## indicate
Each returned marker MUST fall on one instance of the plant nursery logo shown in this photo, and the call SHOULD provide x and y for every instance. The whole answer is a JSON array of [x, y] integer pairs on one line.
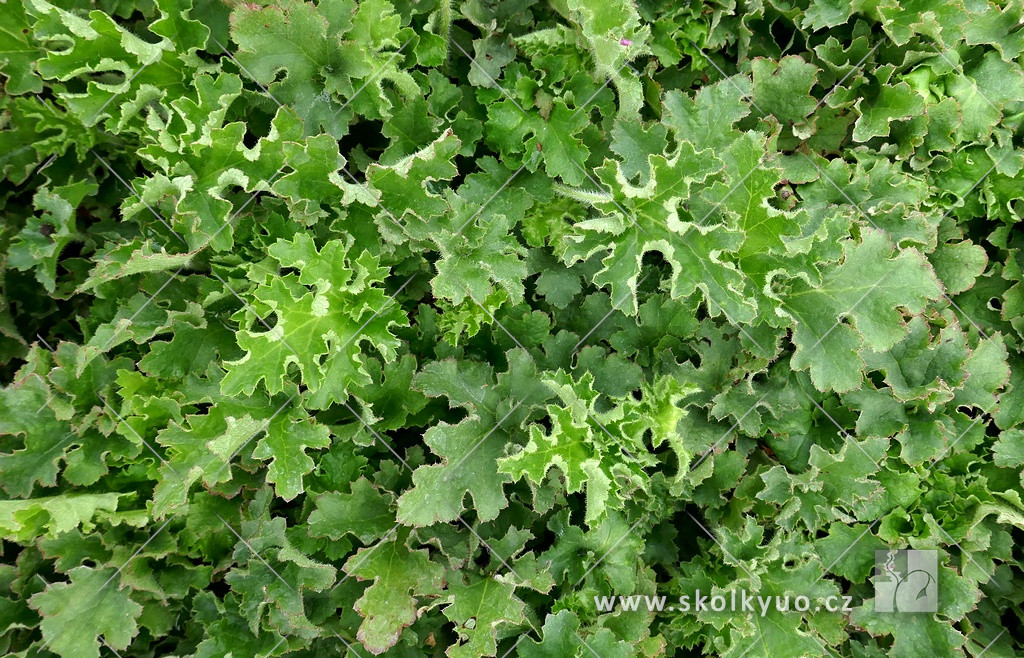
[[906, 581]]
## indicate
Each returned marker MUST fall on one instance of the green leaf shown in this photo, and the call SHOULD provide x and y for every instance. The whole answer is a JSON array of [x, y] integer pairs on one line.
[[471, 448], [559, 637], [285, 444], [22, 520], [406, 188], [39, 245], [365, 513], [321, 318], [914, 632], [479, 607], [401, 577], [77, 614], [532, 138], [18, 54], [892, 103], [783, 88], [98, 46], [581, 445], [634, 221], [338, 48], [868, 288], [615, 36], [272, 577], [1008, 450], [958, 264], [827, 13], [43, 439], [199, 448]]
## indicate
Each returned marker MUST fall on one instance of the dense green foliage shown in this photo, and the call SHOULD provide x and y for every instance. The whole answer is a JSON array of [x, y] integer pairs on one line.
[[408, 328]]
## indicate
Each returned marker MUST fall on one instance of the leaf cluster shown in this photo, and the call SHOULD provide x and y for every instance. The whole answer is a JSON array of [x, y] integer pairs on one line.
[[409, 328]]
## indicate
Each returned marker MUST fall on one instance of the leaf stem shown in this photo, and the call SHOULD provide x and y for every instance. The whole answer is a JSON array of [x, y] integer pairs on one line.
[[443, 25], [583, 196]]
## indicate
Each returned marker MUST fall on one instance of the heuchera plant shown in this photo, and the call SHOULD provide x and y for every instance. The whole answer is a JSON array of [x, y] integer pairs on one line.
[[416, 328]]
